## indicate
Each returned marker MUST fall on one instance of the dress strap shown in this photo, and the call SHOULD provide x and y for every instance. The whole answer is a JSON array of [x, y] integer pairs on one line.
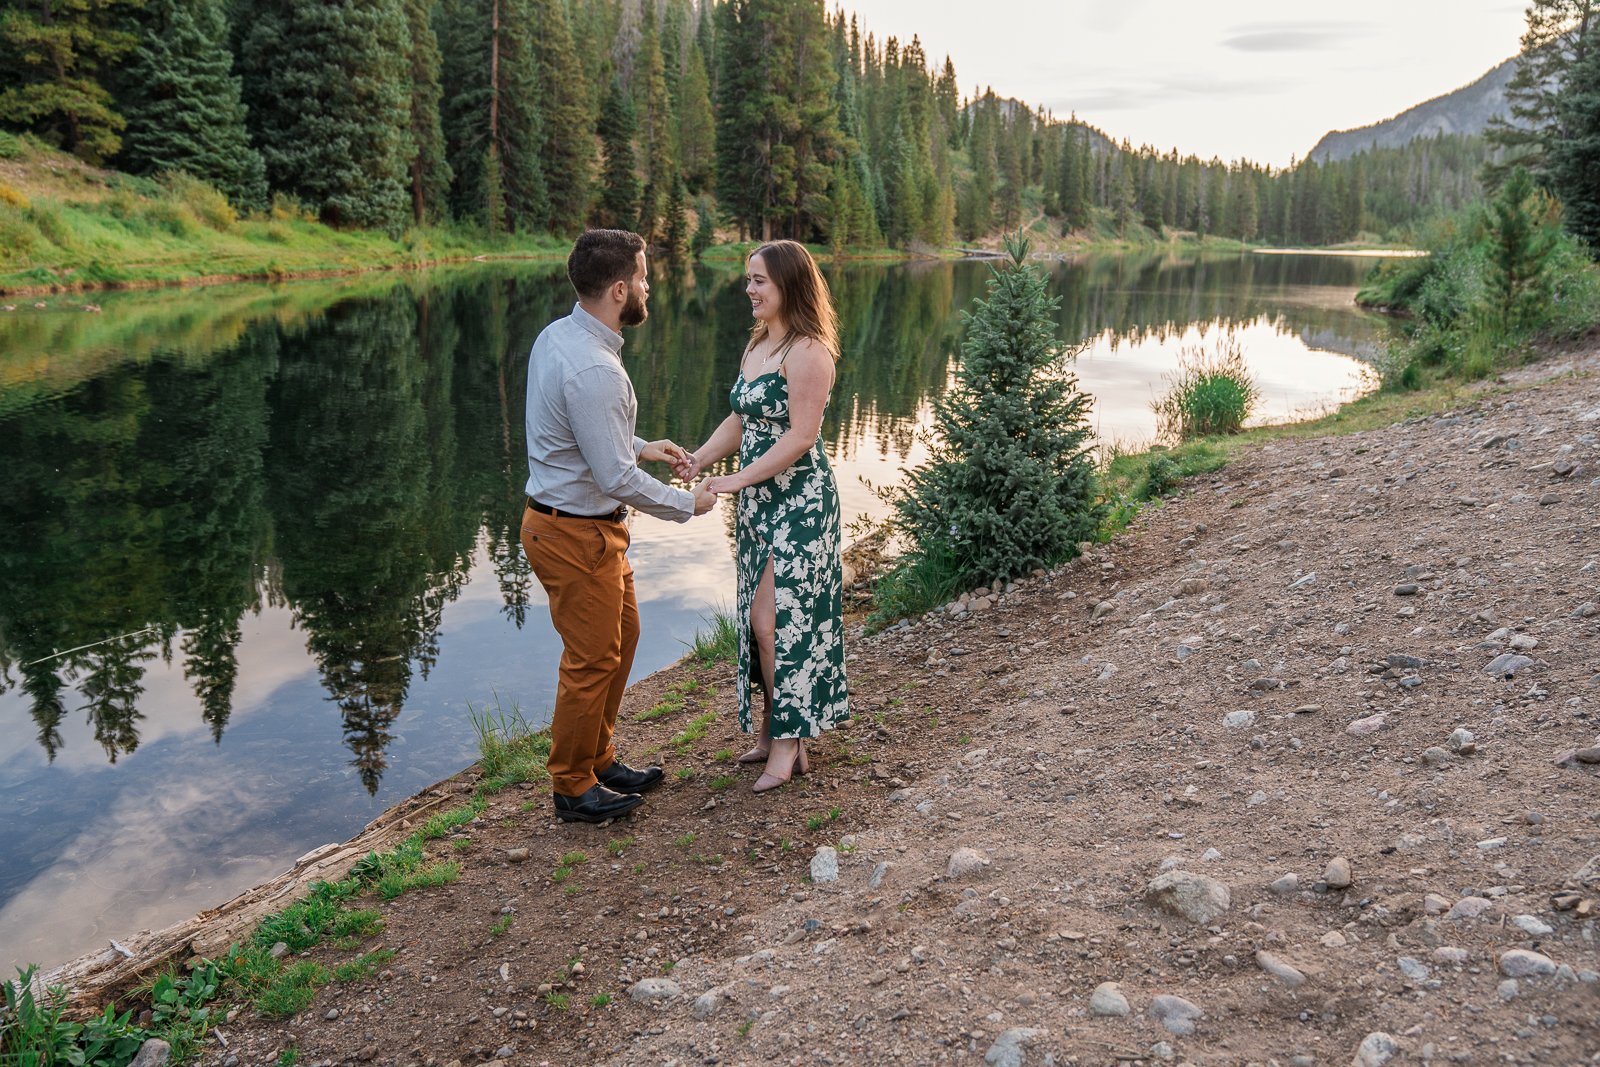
[[788, 343]]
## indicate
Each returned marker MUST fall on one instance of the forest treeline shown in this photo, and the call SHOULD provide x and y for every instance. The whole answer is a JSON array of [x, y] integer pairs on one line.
[[769, 118]]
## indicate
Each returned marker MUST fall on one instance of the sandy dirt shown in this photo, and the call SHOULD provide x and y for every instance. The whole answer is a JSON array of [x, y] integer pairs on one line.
[[1156, 766]]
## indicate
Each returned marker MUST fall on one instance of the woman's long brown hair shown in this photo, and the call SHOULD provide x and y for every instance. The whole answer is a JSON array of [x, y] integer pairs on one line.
[[807, 303]]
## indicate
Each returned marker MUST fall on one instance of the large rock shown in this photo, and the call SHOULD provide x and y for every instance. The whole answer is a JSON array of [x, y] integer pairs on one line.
[[1108, 1000], [825, 865], [1524, 963], [1194, 897], [1176, 1014], [652, 990], [1507, 664], [153, 1053], [964, 863], [1282, 971], [1008, 1048], [1376, 1049]]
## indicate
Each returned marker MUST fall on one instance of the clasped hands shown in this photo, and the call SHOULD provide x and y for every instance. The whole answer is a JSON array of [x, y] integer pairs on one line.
[[686, 467]]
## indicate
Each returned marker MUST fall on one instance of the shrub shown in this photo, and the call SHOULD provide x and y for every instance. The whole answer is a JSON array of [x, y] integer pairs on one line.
[[1211, 393], [1009, 484], [1161, 476], [203, 200], [286, 208], [18, 237], [52, 225], [10, 147], [173, 217], [12, 197]]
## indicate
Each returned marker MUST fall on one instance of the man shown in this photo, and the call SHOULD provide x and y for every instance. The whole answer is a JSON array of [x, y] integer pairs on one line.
[[583, 475]]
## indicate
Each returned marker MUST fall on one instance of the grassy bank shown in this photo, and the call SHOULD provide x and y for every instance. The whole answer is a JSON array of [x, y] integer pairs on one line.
[[67, 226]]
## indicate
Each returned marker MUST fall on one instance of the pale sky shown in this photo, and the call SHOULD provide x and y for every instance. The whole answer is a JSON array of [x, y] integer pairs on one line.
[[1260, 79]]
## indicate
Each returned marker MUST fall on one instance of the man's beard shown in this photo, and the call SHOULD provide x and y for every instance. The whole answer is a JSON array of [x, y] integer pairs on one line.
[[634, 312]]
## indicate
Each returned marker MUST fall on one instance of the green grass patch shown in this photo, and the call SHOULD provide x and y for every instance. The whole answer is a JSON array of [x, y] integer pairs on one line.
[[600, 1000], [722, 782], [718, 640], [573, 859], [510, 751], [560, 874], [558, 1001], [617, 845], [686, 840], [362, 966], [695, 730], [501, 925], [683, 774]]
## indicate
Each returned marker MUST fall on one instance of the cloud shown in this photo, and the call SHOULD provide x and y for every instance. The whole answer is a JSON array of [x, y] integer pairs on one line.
[[1157, 92], [1294, 37]]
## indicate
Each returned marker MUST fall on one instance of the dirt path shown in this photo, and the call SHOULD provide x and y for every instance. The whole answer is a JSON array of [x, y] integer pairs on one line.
[[1254, 691]]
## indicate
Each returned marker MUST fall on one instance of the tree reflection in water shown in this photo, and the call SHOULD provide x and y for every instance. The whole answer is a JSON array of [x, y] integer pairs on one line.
[[186, 459]]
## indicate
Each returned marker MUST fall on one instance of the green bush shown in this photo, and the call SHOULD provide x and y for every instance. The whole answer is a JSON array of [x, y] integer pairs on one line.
[[48, 220], [1211, 393], [1161, 476], [1498, 276], [1009, 484], [10, 147], [203, 200], [173, 217]]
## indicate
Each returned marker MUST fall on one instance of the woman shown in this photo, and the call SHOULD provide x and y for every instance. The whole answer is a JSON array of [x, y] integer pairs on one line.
[[791, 583]]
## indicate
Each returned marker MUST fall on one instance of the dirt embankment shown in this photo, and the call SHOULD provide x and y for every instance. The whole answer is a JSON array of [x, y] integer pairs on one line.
[[1246, 763]]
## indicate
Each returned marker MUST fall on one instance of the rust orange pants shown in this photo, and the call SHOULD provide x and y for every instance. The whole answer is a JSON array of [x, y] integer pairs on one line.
[[583, 566]]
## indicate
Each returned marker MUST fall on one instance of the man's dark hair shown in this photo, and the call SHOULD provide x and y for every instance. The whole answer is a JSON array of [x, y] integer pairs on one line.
[[602, 257]]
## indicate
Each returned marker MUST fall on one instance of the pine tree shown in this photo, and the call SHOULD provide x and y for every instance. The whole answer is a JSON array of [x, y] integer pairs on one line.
[[56, 55], [1009, 483], [490, 112], [1523, 231], [1575, 155], [566, 154], [183, 103], [697, 125], [619, 181], [653, 106], [429, 170], [330, 105], [1559, 35], [705, 230], [676, 238], [740, 105]]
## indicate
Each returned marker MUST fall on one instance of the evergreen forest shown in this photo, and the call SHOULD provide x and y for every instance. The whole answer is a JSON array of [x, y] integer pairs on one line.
[[691, 121]]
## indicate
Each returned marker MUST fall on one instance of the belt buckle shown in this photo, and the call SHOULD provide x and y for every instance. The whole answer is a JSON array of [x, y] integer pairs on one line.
[[621, 514]]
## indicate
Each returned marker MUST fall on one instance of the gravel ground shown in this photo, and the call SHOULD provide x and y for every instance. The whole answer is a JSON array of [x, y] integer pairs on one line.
[[1237, 788]]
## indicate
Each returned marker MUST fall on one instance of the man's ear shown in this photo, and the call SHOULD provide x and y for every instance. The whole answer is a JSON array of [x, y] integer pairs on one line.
[[619, 291]]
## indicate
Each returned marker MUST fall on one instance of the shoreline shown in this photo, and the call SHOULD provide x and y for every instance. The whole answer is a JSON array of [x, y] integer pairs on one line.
[[978, 850], [96, 973]]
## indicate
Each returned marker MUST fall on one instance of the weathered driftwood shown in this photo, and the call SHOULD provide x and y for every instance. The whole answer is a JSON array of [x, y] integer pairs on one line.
[[93, 979]]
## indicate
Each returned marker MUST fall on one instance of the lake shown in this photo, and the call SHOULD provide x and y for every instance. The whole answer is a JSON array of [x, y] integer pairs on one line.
[[259, 554]]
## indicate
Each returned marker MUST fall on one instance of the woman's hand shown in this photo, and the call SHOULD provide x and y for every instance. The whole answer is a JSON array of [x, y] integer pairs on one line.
[[726, 485], [687, 469]]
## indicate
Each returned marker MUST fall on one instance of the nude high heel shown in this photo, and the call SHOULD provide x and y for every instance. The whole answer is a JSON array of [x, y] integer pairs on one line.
[[769, 781]]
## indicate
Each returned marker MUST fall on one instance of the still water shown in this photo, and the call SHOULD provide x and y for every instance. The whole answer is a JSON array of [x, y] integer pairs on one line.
[[258, 544]]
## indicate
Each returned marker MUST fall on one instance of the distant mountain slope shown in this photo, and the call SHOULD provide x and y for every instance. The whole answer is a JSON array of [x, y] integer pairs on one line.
[[1467, 110]]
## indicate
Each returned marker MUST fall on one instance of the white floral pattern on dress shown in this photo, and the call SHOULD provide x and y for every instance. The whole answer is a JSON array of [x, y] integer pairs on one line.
[[793, 517]]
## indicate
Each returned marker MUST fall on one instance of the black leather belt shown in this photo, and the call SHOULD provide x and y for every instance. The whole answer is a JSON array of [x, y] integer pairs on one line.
[[610, 516]]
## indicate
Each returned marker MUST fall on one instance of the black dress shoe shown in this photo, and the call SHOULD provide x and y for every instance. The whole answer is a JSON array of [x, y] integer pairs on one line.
[[624, 779], [596, 805]]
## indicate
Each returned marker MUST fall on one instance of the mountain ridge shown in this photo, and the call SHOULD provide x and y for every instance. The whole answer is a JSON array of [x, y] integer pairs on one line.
[[1467, 110]]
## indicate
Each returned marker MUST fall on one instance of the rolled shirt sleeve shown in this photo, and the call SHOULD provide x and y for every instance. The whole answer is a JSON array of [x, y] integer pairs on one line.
[[600, 408]]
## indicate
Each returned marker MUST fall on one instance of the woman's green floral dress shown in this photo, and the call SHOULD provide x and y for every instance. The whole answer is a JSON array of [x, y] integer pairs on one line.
[[793, 517]]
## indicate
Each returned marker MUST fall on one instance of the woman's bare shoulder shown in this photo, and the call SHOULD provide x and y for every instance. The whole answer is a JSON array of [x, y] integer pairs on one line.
[[811, 354]]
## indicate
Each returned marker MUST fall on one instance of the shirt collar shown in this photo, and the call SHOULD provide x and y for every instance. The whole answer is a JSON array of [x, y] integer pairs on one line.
[[603, 333]]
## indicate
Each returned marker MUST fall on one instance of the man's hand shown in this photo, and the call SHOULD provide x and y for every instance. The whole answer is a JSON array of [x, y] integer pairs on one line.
[[704, 499], [664, 452], [688, 468]]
